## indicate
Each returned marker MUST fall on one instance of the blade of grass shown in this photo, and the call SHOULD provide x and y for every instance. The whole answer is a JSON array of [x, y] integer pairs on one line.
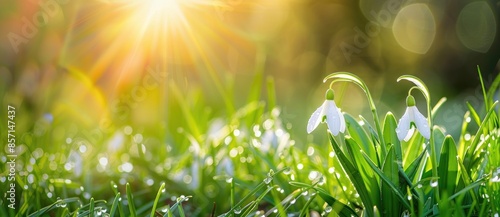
[[271, 93], [158, 195], [53, 206], [448, 166], [114, 187], [91, 207], [438, 106], [390, 202], [339, 207], [390, 137], [474, 114], [130, 199], [114, 205], [487, 101], [386, 180], [467, 188], [305, 208], [354, 175], [368, 177]]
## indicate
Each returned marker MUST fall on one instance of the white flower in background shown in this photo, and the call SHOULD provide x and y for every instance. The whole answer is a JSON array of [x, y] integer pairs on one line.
[[411, 118], [329, 113], [75, 163]]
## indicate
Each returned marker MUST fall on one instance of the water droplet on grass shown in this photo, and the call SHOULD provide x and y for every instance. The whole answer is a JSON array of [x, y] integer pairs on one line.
[[237, 210], [293, 201], [434, 183], [328, 209], [268, 180], [287, 171]]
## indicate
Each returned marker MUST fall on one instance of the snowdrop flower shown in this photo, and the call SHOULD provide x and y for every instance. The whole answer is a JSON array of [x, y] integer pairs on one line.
[[412, 118], [329, 113]]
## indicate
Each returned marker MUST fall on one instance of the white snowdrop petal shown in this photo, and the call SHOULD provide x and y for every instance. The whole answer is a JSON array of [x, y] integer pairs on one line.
[[404, 125], [342, 121], [421, 122], [315, 119], [332, 117], [409, 134]]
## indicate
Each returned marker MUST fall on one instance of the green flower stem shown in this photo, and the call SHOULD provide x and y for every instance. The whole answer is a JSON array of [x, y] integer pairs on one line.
[[425, 91], [349, 77]]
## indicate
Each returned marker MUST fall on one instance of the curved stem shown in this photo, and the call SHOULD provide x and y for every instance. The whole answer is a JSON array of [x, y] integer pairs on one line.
[[349, 77], [419, 84]]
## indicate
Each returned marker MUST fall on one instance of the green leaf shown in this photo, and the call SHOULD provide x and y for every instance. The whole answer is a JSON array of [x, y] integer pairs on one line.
[[339, 207], [390, 136], [366, 174], [115, 205], [91, 208], [53, 206], [305, 208], [359, 135], [130, 199], [387, 181], [354, 175], [474, 114], [412, 169], [448, 167], [271, 93], [492, 91], [469, 160], [158, 195], [438, 106], [468, 188], [392, 205], [487, 100], [439, 138]]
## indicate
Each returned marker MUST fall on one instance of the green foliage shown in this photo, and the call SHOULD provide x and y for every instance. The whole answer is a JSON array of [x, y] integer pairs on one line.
[[248, 164]]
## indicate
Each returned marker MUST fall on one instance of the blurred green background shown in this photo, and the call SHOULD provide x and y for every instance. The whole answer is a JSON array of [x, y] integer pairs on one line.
[[103, 77]]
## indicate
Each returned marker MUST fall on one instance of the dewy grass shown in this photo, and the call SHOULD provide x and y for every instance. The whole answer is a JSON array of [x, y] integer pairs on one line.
[[247, 163]]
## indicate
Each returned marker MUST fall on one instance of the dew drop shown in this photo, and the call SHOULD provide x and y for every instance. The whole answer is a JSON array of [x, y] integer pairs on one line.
[[305, 193], [293, 201], [419, 185], [229, 180], [270, 173], [268, 180], [434, 183], [328, 209], [237, 210], [287, 171]]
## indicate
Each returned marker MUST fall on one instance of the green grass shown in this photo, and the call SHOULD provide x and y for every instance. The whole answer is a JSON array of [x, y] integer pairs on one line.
[[246, 163]]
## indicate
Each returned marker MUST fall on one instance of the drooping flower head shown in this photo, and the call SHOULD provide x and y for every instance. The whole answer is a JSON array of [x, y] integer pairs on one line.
[[412, 118], [329, 113]]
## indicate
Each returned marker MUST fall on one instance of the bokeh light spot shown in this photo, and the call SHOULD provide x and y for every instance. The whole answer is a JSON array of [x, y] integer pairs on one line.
[[414, 28], [476, 26]]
